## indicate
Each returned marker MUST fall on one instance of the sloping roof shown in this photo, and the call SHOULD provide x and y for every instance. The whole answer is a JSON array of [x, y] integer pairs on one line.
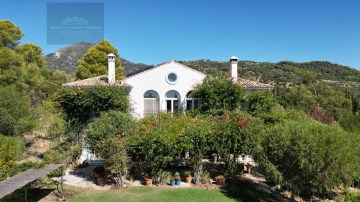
[[102, 80], [248, 84], [94, 81], [148, 68], [140, 70]]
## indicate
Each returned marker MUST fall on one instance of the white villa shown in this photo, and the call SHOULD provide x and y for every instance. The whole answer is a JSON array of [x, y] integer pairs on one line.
[[166, 87]]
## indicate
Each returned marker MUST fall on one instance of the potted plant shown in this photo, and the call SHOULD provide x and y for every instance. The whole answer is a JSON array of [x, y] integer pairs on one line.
[[99, 173], [220, 179], [177, 178], [148, 180], [172, 181], [188, 177], [205, 177], [165, 177]]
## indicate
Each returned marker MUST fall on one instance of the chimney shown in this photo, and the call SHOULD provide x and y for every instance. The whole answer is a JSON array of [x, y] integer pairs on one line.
[[233, 70], [111, 68]]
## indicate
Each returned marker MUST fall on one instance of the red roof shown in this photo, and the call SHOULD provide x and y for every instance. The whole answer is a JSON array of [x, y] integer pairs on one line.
[[248, 84], [94, 81]]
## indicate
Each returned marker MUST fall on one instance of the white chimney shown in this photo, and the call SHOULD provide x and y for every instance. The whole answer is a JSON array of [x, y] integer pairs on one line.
[[233, 70], [111, 68]]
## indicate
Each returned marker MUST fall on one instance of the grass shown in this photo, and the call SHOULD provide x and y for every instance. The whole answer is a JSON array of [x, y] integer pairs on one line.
[[171, 194]]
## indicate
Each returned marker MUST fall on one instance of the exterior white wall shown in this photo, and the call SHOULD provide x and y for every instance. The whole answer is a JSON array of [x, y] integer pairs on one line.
[[155, 79]]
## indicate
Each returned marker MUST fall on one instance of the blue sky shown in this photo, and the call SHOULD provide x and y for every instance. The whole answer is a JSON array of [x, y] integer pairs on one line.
[[155, 31]]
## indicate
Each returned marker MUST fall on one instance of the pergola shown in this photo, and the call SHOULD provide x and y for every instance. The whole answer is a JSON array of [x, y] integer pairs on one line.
[[23, 179]]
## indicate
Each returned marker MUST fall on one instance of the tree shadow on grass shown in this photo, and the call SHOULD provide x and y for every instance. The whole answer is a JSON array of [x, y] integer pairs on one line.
[[246, 191], [33, 194]]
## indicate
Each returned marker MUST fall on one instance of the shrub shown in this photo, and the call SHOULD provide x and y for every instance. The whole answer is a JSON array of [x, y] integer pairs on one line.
[[205, 177], [82, 104], [109, 125], [10, 150], [14, 112], [237, 133], [217, 94], [310, 155], [165, 177], [187, 174]]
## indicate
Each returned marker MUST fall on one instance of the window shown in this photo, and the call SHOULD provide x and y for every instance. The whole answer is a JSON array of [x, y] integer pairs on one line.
[[172, 98], [171, 78], [151, 103], [191, 103]]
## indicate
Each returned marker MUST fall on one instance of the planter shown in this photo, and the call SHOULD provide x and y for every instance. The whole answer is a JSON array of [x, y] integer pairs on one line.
[[177, 182], [188, 179], [148, 181], [172, 183], [100, 181], [220, 181]]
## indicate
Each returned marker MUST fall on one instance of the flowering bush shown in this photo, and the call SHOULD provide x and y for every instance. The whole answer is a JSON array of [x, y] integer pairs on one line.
[[237, 133]]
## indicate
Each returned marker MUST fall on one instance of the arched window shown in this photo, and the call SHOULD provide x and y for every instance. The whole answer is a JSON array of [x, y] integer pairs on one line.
[[151, 103], [191, 102], [172, 99]]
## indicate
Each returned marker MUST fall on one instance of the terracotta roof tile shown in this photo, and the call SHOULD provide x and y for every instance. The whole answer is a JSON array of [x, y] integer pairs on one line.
[[248, 84], [94, 81]]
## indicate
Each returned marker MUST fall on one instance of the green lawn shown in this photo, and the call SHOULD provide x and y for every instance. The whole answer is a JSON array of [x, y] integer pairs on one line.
[[171, 194]]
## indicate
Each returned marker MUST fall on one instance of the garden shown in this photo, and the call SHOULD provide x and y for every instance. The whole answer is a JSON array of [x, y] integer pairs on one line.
[[292, 150]]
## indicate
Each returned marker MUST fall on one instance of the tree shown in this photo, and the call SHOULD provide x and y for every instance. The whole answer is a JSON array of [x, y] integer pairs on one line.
[[195, 138], [158, 138], [110, 125], [236, 134], [310, 155], [95, 62], [107, 137], [10, 34], [80, 105], [259, 102], [32, 54], [298, 97], [218, 94], [14, 112]]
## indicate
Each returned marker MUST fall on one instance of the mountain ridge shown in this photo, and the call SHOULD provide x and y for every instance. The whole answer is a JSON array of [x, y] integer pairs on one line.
[[65, 59]]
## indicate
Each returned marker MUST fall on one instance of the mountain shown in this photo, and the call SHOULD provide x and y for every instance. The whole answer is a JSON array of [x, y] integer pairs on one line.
[[65, 59], [285, 72]]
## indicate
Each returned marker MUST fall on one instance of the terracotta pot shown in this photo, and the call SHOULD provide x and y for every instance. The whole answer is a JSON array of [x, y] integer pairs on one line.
[[100, 181], [220, 180], [148, 181], [188, 179]]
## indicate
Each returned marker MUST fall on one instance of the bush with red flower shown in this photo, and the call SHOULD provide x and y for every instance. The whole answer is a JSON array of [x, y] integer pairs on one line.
[[237, 134]]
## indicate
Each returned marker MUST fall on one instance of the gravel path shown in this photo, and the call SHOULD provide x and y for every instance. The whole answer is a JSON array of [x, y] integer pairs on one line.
[[81, 177]]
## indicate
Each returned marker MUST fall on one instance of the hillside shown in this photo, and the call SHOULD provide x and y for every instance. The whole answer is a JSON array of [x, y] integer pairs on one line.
[[65, 59], [282, 72]]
